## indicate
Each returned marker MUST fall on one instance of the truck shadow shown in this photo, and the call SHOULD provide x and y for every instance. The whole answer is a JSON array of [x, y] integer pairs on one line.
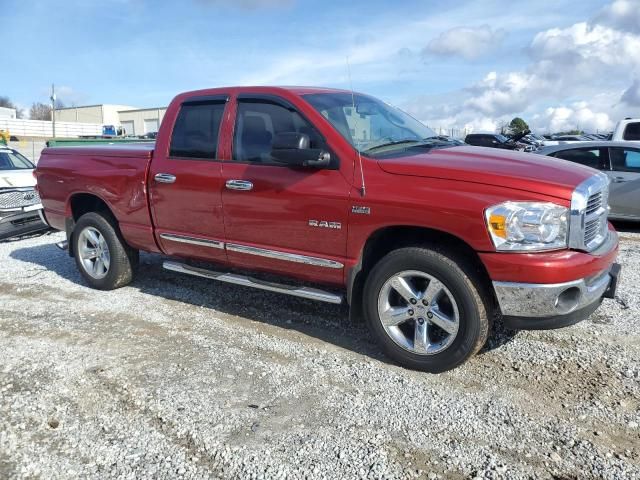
[[322, 321]]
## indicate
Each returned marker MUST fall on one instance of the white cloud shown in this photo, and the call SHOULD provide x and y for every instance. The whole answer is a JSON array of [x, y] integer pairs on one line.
[[622, 15], [467, 42], [631, 95], [579, 76]]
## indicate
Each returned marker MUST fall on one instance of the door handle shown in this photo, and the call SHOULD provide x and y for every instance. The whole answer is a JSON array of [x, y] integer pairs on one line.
[[619, 179], [164, 178], [244, 185]]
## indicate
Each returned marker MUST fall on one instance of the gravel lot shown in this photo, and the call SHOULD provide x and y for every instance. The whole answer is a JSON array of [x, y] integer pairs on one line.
[[179, 377]]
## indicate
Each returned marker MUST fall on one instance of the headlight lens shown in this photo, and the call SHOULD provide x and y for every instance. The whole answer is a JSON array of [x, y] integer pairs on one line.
[[528, 226]]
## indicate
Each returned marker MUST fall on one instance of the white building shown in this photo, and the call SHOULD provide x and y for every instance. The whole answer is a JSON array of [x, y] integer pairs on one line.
[[7, 112], [135, 121], [141, 120], [105, 114]]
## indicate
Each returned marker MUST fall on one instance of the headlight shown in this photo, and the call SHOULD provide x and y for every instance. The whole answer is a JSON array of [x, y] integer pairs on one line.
[[528, 226]]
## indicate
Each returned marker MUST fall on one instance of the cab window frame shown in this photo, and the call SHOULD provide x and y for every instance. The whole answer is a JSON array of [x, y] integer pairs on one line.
[[222, 100], [604, 163], [283, 103]]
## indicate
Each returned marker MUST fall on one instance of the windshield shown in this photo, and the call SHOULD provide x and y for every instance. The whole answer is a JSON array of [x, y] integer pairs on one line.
[[372, 124], [501, 138], [14, 161]]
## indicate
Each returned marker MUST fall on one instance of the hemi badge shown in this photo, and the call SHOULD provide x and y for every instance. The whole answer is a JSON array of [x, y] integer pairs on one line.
[[361, 210]]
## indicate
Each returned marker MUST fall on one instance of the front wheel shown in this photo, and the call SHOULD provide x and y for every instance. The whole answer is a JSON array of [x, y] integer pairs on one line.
[[104, 259], [425, 310]]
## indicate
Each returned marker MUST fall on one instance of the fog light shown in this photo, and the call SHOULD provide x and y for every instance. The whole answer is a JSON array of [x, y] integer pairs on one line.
[[568, 300]]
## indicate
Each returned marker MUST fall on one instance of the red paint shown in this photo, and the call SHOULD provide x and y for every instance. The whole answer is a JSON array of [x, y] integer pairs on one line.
[[446, 190]]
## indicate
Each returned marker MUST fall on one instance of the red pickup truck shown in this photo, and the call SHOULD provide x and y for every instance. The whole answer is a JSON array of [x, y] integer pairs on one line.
[[336, 196]]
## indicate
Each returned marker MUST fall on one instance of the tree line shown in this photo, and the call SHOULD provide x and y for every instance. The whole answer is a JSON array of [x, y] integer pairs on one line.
[[37, 111]]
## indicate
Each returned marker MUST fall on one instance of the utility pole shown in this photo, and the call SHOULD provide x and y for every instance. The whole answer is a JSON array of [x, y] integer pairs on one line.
[[53, 109]]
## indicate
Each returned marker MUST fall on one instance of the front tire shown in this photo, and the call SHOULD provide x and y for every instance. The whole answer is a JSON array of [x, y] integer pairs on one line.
[[425, 310], [104, 259]]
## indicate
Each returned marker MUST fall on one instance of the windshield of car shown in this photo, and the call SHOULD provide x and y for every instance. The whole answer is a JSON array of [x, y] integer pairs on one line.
[[14, 161], [372, 125]]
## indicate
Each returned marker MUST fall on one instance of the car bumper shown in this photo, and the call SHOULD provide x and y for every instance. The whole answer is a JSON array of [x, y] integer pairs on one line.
[[534, 306], [16, 222]]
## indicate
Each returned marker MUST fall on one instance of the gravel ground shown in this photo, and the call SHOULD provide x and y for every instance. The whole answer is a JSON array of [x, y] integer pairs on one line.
[[179, 377]]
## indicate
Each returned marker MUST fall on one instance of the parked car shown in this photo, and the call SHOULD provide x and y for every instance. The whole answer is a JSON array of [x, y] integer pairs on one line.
[[341, 197], [620, 161], [20, 207], [627, 130], [497, 140]]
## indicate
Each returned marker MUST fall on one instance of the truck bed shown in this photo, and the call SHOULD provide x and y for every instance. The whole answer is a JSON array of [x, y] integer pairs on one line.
[[117, 174]]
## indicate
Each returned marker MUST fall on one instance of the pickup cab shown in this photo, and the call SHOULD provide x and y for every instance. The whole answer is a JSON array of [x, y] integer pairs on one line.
[[338, 197], [627, 130]]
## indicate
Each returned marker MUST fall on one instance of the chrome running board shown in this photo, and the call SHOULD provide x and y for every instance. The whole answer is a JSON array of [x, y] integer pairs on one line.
[[303, 292]]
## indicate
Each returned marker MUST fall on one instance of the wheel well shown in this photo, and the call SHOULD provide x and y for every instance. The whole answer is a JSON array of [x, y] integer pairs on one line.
[[82, 203], [387, 239]]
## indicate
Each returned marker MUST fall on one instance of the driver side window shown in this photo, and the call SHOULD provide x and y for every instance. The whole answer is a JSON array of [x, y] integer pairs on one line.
[[258, 123]]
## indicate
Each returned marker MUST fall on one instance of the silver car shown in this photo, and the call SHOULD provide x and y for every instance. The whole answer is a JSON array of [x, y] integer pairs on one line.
[[20, 207], [619, 160]]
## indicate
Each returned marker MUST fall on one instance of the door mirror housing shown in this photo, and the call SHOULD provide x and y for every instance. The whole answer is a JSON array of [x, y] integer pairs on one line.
[[293, 149]]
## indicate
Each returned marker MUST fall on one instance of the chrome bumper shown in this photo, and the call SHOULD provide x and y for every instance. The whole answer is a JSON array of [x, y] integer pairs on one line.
[[536, 300]]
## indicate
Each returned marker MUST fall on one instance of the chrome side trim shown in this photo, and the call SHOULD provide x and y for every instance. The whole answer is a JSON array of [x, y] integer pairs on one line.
[[203, 242], [534, 300], [288, 257], [302, 292]]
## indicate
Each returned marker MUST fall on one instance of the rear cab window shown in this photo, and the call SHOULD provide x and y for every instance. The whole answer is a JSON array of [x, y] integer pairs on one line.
[[632, 131], [196, 130]]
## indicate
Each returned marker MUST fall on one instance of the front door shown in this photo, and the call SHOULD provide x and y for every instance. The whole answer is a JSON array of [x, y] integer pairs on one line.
[[624, 197], [185, 182], [279, 218]]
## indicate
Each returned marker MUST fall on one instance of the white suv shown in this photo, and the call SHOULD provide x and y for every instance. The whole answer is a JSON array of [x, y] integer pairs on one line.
[[627, 130], [20, 207]]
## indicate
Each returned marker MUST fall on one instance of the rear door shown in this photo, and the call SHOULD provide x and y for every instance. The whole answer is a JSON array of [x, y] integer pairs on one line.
[[185, 182], [278, 218], [624, 198]]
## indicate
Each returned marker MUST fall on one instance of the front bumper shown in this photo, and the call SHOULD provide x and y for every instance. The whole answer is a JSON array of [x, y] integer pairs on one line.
[[20, 221], [554, 305]]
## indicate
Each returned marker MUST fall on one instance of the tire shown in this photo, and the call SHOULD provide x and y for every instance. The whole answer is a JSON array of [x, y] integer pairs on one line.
[[97, 235], [447, 296]]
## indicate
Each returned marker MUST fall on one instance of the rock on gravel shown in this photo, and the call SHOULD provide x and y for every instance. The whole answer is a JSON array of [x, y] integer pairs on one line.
[[179, 377]]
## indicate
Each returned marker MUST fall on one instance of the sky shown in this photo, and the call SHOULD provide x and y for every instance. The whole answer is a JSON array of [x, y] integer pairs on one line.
[[473, 65]]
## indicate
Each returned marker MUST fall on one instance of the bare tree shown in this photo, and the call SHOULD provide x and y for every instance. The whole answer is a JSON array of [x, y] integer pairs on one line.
[[7, 103], [40, 111]]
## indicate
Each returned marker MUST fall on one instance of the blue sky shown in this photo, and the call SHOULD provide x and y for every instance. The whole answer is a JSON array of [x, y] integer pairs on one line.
[[447, 62]]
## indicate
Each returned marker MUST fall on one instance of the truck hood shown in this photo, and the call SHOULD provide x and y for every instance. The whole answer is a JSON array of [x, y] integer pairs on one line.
[[521, 171], [17, 178]]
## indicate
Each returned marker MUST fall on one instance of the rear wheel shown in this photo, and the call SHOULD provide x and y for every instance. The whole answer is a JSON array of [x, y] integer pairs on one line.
[[104, 259], [425, 310]]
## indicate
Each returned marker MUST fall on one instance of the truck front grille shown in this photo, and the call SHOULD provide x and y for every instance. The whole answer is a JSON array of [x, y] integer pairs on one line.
[[589, 209], [18, 197]]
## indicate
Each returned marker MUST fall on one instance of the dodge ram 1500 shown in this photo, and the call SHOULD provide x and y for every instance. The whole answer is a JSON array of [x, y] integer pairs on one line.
[[343, 198]]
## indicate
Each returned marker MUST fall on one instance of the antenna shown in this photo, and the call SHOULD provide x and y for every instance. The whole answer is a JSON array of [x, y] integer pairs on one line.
[[363, 189]]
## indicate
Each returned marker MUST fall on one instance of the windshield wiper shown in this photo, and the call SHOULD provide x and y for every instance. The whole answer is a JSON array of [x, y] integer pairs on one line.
[[389, 144]]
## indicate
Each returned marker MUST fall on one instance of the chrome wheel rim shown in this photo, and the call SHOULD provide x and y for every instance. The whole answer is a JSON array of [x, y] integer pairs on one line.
[[418, 312], [94, 253]]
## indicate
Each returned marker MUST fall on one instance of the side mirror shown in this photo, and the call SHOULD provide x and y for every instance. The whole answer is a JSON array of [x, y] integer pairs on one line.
[[293, 149]]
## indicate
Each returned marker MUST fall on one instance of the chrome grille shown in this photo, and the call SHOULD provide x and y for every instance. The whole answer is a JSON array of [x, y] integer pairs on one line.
[[18, 197], [589, 209]]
